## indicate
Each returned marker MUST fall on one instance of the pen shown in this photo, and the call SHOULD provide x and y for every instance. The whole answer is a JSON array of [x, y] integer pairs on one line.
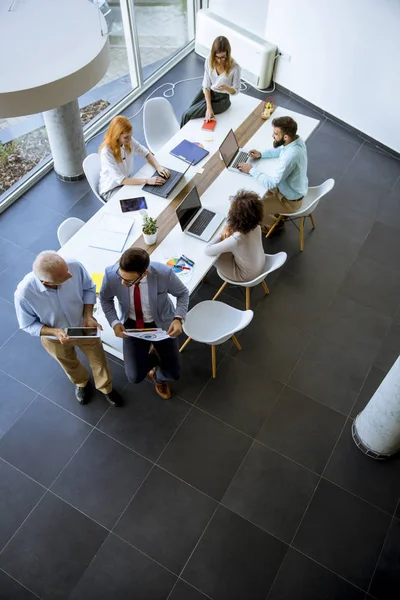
[[183, 268]]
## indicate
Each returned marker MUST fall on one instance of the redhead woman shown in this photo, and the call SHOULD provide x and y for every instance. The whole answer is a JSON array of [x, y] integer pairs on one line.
[[221, 81], [239, 246], [116, 158]]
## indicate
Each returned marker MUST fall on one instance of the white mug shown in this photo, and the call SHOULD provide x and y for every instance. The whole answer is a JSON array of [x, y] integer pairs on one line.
[[143, 213]]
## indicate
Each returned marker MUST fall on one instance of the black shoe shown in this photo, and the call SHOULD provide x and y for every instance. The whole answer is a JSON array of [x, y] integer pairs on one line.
[[81, 394], [113, 398]]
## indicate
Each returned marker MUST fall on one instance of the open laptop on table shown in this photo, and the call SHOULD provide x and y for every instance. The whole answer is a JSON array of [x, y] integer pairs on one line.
[[166, 188], [231, 154], [196, 220]]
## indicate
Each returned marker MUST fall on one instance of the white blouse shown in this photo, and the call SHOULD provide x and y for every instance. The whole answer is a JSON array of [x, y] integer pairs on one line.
[[112, 172], [212, 80]]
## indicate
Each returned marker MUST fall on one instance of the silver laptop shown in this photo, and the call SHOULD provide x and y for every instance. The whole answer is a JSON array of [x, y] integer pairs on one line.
[[231, 154], [196, 220]]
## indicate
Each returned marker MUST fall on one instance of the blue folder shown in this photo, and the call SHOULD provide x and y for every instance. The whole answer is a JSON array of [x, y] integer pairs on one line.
[[189, 152]]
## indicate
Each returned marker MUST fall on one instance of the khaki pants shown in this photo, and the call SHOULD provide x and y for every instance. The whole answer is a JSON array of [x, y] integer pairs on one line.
[[275, 202], [66, 356]]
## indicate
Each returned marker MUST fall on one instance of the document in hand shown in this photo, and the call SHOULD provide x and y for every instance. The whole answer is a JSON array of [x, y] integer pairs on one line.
[[150, 335]]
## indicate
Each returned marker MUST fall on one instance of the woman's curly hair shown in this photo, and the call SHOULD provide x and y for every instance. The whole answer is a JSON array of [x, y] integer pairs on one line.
[[246, 211]]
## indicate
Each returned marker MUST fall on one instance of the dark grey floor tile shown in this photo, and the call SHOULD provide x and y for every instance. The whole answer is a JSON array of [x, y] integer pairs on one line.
[[329, 156], [371, 384], [57, 195], [383, 246], [343, 533], [85, 208], [389, 212], [9, 252], [22, 222], [339, 131], [375, 166], [205, 453], [101, 478], [273, 346], [11, 590], [309, 298], [48, 239], [302, 429], [8, 321], [352, 325], [271, 491], [61, 391], [18, 267], [121, 572], [18, 495], [330, 374], [24, 358], [165, 519], [389, 350], [14, 399], [304, 109], [386, 581], [43, 440], [303, 579], [374, 285], [195, 370], [375, 481], [234, 559], [146, 422], [52, 569], [242, 395], [184, 591]]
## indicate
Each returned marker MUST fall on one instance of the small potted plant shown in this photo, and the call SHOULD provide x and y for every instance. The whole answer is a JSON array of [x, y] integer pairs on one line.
[[149, 229]]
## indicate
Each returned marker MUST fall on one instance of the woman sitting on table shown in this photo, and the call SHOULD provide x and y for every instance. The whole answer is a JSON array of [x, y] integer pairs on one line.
[[239, 245], [221, 80], [116, 158]]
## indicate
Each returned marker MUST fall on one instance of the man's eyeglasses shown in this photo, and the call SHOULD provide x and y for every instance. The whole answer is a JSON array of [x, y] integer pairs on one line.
[[129, 282]]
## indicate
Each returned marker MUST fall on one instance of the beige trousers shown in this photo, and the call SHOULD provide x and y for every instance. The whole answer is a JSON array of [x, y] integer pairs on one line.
[[66, 356], [275, 202]]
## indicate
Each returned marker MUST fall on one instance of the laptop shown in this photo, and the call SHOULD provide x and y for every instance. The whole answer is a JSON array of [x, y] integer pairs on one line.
[[196, 220], [166, 188], [231, 154]]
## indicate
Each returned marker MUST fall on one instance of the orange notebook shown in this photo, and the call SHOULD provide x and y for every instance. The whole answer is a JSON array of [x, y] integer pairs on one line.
[[209, 125]]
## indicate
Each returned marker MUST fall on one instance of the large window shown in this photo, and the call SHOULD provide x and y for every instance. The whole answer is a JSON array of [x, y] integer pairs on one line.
[[143, 35]]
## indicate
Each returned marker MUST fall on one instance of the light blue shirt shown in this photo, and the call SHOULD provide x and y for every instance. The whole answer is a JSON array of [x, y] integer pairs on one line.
[[37, 305], [290, 176]]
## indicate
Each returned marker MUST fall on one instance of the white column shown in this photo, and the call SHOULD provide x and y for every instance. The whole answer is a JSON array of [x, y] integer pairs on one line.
[[65, 133], [376, 430]]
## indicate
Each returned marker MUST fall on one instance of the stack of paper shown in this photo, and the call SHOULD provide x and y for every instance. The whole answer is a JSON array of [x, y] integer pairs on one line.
[[113, 233]]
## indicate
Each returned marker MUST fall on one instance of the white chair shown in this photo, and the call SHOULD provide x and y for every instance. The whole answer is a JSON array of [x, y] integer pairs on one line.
[[310, 203], [159, 123], [272, 263], [68, 228], [214, 323], [91, 167]]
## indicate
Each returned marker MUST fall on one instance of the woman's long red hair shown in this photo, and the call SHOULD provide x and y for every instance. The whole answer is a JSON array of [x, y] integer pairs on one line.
[[118, 126]]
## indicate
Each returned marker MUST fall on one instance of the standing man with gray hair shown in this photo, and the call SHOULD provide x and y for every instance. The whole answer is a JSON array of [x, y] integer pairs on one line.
[[56, 294]]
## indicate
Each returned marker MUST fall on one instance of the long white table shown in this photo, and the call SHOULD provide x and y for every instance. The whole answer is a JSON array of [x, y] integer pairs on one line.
[[216, 197]]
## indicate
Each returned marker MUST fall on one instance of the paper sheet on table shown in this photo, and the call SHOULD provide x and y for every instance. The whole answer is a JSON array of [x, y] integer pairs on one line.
[[150, 335], [116, 224], [108, 240]]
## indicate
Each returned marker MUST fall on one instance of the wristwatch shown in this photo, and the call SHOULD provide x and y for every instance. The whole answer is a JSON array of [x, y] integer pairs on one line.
[[178, 319]]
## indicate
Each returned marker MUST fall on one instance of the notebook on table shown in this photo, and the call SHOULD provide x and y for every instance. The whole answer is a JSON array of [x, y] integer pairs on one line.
[[189, 152], [209, 125]]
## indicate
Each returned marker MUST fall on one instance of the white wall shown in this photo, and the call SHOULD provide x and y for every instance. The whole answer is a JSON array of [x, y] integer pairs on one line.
[[345, 56], [251, 15]]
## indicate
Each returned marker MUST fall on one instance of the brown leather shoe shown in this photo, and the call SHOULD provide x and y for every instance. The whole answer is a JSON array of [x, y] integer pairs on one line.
[[162, 389]]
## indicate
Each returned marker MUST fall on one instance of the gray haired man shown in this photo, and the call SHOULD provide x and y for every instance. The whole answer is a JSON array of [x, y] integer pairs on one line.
[[57, 294]]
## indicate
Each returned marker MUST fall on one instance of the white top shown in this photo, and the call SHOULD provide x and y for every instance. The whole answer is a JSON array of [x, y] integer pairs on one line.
[[212, 80], [243, 258], [112, 172], [144, 298]]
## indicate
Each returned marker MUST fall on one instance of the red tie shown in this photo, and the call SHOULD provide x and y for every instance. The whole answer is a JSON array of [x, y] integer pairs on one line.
[[138, 307]]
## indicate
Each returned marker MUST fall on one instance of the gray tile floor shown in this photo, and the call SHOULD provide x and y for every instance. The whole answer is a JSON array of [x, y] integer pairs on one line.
[[247, 487]]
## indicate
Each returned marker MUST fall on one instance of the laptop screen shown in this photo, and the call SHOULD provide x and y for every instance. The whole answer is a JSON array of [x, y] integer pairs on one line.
[[188, 208], [228, 148]]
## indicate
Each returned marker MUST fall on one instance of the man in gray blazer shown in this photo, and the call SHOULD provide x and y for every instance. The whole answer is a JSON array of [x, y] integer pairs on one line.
[[142, 292]]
